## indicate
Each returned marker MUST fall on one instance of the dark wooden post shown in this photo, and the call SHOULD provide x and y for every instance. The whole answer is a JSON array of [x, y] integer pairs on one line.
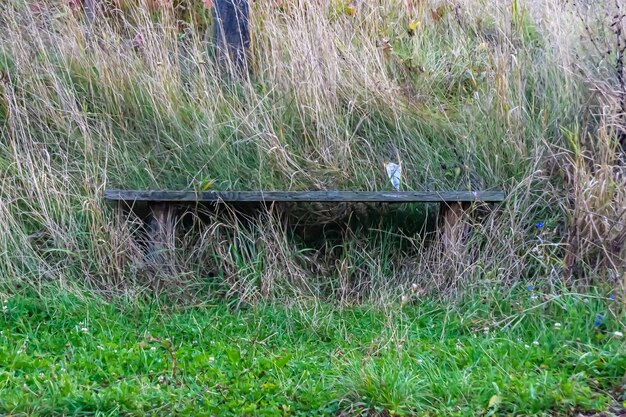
[[90, 10], [231, 32]]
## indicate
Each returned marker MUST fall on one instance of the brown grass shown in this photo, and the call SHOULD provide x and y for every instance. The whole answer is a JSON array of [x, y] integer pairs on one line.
[[480, 95]]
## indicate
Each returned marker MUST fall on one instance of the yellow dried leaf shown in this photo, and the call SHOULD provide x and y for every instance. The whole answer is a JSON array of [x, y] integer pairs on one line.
[[494, 400]]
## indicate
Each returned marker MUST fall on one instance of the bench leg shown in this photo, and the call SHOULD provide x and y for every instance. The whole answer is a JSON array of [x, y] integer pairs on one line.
[[452, 227], [160, 230]]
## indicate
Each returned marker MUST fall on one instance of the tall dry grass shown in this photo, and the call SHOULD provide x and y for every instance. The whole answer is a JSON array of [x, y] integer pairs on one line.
[[479, 95]]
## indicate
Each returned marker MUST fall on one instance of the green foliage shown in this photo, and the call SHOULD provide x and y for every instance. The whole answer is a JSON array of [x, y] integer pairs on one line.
[[64, 355]]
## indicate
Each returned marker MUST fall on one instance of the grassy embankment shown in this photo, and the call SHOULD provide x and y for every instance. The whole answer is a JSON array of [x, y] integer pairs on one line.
[[476, 96], [520, 96]]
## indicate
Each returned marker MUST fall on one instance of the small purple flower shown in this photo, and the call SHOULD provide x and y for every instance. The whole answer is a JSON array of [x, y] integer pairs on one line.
[[539, 225], [612, 297], [599, 316], [531, 287]]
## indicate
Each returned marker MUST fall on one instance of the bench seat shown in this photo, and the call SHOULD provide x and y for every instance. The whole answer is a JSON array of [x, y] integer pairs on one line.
[[159, 196]]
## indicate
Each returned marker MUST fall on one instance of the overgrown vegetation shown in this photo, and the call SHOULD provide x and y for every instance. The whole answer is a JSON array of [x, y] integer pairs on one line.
[[319, 309], [466, 95], [531, 354]]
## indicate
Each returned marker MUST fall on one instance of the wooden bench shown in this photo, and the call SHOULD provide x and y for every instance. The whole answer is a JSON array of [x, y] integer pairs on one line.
[[161, 204]]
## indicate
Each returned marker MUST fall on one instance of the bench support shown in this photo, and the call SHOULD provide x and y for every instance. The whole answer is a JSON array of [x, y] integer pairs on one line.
[[160, 235], [451, 225], [453, 228], [162, 220]]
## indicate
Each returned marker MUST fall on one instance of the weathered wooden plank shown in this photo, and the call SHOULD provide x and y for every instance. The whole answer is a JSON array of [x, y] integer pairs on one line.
[[304, 196], [160, 238], [451, 224]]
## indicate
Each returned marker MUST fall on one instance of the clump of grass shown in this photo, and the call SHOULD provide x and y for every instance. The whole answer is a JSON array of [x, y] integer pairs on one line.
[[466, 95]]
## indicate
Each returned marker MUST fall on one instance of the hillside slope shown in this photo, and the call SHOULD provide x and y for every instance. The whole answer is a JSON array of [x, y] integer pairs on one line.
[[466, 95]]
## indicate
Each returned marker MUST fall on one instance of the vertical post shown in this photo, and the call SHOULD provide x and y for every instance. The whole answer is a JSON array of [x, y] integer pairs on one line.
[[451, 223], [90, 10], [161, 236], [231, 32]]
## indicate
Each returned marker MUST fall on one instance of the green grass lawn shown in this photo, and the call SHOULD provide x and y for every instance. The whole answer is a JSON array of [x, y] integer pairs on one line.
[[533, 354]]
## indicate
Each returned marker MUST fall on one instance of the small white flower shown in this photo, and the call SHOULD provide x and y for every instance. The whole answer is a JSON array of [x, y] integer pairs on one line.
[[84, 330], [153, 348], [557, 325], [536, 343], [486, 329], [420, 361], [404, 299], [414, 287], [618, 335], [5, 308], [527, 346], [211, 358], [100, 347]]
